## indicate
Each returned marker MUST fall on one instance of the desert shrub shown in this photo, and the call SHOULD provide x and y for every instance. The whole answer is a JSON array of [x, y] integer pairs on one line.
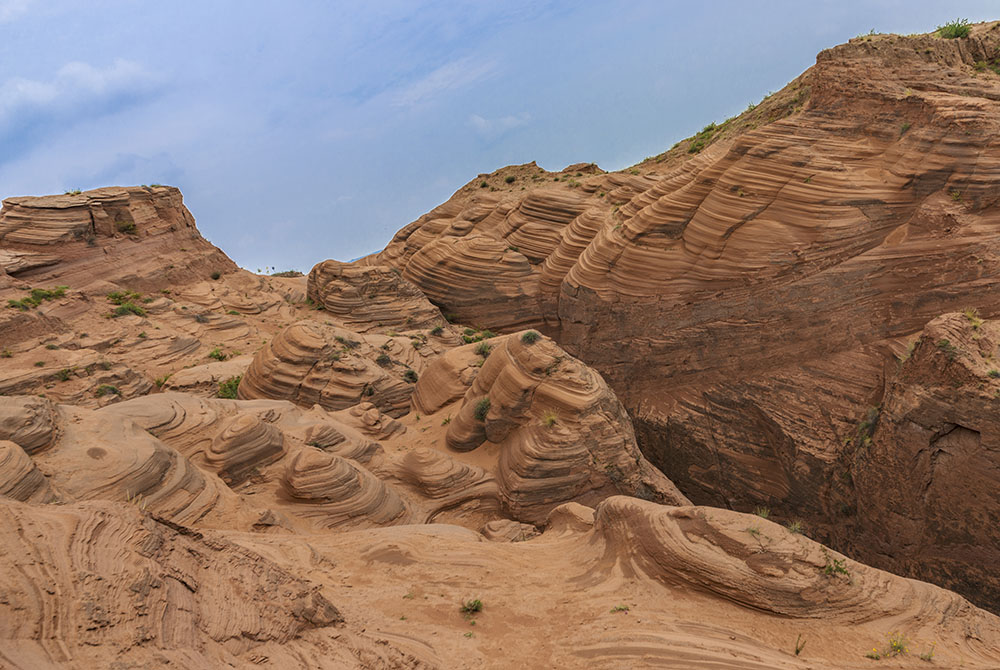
[[510, 179], [217, 354], [472, 606], [410, 376], [954, 29], [437, 330], [216, 275], [484, 349], [36, 296], [227, 389], [126, 227], [128, 308], [530, 337], [106, 389], [482, 409]]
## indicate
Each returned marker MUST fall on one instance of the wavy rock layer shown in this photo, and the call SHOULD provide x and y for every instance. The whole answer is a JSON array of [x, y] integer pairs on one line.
[[130, 587], [562, 434], [371, 298], [311, 364], [746, 299]]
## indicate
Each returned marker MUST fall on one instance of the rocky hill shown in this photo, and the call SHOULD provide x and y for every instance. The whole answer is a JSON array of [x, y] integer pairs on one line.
[[721, 409]]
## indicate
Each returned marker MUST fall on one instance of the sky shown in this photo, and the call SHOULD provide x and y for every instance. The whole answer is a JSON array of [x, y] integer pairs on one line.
[[305, 130]]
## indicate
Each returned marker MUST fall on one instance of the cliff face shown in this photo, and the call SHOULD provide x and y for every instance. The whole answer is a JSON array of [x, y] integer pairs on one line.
[[746, 293]]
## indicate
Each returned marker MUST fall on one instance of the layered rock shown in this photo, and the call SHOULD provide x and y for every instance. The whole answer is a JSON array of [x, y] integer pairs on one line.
[[925, 463], [561, 432], [371, 298], [91, 582], [309, 363], [745, 292], [19, 478], [335, 493]]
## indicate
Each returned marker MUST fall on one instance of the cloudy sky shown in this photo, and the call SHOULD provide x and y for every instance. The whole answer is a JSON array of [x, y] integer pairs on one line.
[[302, 130]]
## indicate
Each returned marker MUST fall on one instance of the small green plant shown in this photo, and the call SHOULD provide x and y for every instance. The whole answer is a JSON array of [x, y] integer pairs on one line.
[[954, 29], [217, 354], [350, 344], [484, 349], [227, 389], [794, 527], [530, 337], [873, 654], [216, 275], [106, 389], [75, 191], [993, 374], [929, 654], [903, 128], [127, 227], [6, 353], [510, 179], [472, 606], [36, 297], [410, 376], [619, 608], [482, 409], [51, 346], [834, 566], [550, 418], [762, 512], [469, 634], [948, 348], [972, 314], [445, 421], [160, 381], [483, 184], [437, 330], [956, 196], [39, 364], [127, 308], [383, 360], [233, 312], [754, 532], [898, 645], [64, 374], [800, 644], [142, 335]]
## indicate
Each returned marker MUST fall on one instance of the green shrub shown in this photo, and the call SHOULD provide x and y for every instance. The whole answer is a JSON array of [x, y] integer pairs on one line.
[[383, 360], [227, 389], [217, 354], [128, 308], [36, 297], [106, 389], [472, 606], [482, 409], [437, 330], [410, 376], [483, 184], [530, 337], [954, 29], [216, 275], [510, 179], [484, 349], [126, 227]]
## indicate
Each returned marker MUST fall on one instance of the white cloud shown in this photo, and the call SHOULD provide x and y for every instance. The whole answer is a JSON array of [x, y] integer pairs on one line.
[[492, 128], [449, 77], [12, 9], [77, 92]]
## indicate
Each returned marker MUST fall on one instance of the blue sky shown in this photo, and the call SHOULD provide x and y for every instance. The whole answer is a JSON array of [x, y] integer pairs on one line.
[[305, 130]]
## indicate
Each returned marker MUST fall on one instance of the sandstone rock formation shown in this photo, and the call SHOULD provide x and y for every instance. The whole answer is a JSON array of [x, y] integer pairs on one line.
[[203, 467], [745, 293]]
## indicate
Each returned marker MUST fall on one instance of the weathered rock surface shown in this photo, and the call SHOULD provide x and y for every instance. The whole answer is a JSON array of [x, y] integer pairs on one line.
[[746, 293], [371, 298]]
